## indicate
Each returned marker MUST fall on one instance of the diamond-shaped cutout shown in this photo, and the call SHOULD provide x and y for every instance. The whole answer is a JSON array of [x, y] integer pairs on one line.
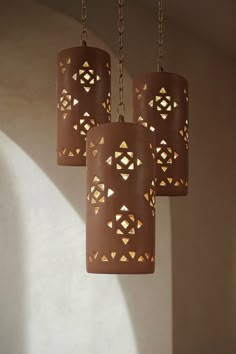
[[164, 155], [164, 103], [124, 160], [125, 224]]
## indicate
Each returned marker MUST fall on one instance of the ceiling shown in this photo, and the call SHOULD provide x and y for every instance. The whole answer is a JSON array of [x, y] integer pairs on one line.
[[211, 20]]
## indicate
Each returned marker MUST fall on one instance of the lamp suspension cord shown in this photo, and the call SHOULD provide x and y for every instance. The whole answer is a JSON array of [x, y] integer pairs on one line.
[[121, 106], [160, 16], [84, 34]]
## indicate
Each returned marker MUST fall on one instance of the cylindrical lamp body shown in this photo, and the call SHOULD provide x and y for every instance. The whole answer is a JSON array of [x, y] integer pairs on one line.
[[83, 100], [160, 103], [120, 222]]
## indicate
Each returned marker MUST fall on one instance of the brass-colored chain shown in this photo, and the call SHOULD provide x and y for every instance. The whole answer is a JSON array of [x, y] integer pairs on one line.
[[84, 34], [160, 37], [121, 106]]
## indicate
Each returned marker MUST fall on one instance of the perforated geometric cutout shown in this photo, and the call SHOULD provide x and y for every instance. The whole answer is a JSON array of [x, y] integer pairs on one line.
[[66, 102], [150, 196], [163, 103], [140, 91], [171, 181], [95, 146], [107, 103], [64, 64], [184, 133], [98, 194], [108, 69], [130, 256], [186, 95], [165, 155], [125, 224], [85, 124], [87, 76], [124, 160], [145, 124], [69, 152]]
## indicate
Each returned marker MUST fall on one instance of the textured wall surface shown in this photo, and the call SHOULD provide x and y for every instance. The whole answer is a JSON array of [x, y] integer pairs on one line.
[[48, 303]]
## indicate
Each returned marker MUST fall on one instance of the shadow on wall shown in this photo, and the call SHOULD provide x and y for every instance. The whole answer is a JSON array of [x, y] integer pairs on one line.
[[11, 270], [203, 226], [149, 297], [32, 127], [203, 256], [203, 249]]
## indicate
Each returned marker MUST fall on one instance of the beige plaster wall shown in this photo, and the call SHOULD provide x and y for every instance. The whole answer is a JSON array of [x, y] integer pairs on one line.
[[47, 302]]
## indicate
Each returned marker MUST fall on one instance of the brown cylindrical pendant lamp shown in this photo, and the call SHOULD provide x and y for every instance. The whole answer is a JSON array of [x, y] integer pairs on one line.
[[160, 103], [83, 98], [120, 199], [120, 222]]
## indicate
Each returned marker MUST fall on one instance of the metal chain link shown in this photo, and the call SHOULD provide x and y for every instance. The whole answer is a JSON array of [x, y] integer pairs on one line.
[[160, 15], [84, 34], [121, 106]]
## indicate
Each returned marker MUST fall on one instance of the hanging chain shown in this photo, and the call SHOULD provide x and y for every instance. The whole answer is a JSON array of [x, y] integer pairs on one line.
[[121, 106], [84, 34], [160, 16]]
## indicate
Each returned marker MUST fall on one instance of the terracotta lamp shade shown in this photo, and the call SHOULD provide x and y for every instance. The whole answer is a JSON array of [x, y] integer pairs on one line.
[[83, 100], [120, 236], [161, 105]]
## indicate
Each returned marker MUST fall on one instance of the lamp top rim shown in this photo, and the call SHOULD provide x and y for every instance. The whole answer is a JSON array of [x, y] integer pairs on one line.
[[125, 125], [154, 74], [83, 48]]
